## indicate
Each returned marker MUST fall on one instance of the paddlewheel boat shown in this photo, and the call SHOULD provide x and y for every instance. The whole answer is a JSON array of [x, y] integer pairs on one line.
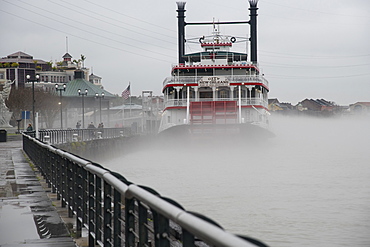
[[216, 90]]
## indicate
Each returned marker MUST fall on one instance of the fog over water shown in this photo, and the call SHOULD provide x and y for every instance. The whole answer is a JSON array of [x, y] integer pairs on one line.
[[308, 186]]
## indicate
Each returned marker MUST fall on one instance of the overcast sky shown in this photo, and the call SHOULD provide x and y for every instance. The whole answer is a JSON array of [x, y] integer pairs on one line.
[[306, 49]]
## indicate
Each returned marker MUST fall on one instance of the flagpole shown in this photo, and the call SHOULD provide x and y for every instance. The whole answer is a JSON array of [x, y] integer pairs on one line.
[[129, 84]]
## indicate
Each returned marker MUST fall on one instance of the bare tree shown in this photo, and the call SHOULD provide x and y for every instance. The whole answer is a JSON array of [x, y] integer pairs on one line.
[[46, 103]]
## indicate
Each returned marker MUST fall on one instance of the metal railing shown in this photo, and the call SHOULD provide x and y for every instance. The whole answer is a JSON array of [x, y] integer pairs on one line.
[[245, 102], [117, 212], [56, 136], [231, 78]]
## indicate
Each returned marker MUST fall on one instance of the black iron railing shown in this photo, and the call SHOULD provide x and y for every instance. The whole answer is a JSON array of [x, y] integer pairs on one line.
[[117, 212], [57, 136]]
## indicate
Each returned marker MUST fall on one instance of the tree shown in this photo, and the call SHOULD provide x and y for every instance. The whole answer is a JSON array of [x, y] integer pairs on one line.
[[83, 58], [46, 103]]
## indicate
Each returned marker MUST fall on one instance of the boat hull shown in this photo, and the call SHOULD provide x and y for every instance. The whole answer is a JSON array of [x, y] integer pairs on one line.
[[240, 131]]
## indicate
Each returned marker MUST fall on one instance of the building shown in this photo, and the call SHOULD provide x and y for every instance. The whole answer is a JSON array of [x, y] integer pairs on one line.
[[19, 64], [360, 108], [86, 106], [319, 107], [274, 105], [15, 67], [96, 80]]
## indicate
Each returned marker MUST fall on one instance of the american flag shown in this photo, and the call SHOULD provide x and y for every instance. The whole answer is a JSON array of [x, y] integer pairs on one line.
[[126, 93]]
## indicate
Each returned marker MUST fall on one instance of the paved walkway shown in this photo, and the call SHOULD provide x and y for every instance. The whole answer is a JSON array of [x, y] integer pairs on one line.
[[28, 214]]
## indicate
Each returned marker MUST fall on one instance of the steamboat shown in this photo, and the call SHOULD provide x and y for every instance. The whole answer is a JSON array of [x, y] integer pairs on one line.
[[216, 90]]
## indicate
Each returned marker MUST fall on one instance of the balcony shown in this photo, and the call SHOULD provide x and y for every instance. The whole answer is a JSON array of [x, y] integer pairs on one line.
[[232, 79], [244, 102]]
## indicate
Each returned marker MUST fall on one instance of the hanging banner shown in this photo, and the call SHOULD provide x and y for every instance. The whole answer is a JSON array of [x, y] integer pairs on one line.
[[26, 114]]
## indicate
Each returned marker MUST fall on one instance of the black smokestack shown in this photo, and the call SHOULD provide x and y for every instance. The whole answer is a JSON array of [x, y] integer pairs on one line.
[[253, 24], [181, 30]]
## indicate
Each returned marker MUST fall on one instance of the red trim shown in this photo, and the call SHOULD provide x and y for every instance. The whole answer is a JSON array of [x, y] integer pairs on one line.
[[231, 84], [173, 107], [256, 106], [243, 106], [214, 44], [223, 66]]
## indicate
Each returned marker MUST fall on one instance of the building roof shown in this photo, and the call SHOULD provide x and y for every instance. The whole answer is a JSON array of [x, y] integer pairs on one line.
[[94, 76], [321, 102], [74, 85], [362, 103], [20, 54], [67, 55], [21, 57]]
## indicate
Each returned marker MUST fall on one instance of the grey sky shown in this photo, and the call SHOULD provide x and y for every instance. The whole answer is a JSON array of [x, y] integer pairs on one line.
[[306, 49]]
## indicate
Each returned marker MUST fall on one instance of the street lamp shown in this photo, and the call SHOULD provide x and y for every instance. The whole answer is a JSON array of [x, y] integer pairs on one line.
[[37, 77], [63, 88], [99, 97], [83, 107]]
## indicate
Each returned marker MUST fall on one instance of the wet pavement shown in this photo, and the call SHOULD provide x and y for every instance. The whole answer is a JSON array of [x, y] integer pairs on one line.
[[29, 215]]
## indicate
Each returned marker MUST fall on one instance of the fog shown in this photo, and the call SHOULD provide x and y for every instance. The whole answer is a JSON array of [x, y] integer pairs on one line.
[[308, 186]]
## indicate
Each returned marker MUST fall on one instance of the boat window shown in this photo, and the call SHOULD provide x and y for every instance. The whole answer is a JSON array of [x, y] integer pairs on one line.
[[206, 95], [223, 94]]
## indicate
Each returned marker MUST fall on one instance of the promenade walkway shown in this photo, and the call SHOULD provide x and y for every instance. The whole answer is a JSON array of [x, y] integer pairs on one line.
[[28, 214]]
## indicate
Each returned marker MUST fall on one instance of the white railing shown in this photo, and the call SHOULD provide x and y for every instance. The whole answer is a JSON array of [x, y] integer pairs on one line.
[[245, 102], [230, 78]]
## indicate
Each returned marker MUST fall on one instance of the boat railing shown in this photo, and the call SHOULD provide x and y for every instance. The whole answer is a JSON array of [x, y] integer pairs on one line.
[[230, 78], [244, 101]]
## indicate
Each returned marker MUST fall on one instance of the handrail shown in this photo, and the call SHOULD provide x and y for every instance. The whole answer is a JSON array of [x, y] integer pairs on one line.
[[230, 78], [244, 101], [57, 136], [117, 212]]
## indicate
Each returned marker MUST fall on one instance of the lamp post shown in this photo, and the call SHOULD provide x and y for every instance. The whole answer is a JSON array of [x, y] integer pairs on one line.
[[83, 107], [63, 88], [99, 97], [37, 77]]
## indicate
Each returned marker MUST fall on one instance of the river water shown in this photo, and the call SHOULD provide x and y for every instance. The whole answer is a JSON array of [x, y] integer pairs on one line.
[[308, 186]]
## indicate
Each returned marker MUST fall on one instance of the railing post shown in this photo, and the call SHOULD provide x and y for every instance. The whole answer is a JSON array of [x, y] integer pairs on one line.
[[85, 194], [107, 214], [64, 181], [187, 238], [70, 189], [117, 219], [59, 176], [161, 230], [143, 221], [78, 199], [130, 221], [53, 172], [92, 225], [98, 215]]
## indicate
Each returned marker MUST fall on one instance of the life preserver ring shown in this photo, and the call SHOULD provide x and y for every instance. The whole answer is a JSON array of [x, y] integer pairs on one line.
[[232, 39]]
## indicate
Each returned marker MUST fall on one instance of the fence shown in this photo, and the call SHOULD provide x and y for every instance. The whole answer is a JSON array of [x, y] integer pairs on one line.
[[117, 212], [56, 136]]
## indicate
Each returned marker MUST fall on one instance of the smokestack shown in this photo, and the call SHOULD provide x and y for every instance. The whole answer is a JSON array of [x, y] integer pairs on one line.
[[181, 30], [253, 25]]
